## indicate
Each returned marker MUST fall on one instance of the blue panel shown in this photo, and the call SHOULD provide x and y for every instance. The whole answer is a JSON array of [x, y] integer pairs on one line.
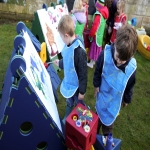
[[55, 80], [20, 27], [34, 40], [24, 109], [6, 88]]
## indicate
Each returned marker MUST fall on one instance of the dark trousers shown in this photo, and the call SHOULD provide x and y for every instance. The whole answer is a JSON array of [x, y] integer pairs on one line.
[[105, 129]]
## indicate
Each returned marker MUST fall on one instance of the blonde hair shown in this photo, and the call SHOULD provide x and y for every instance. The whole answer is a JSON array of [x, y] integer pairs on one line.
[[66, 25], [78, 4], [121, 5]]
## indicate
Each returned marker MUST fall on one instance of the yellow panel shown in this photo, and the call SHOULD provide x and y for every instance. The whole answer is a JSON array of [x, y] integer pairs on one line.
[[144, 39], [92, 148], [42, 53]]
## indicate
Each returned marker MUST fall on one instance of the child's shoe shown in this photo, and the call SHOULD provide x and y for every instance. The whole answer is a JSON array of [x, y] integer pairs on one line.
[[90, 64], [93, 62]]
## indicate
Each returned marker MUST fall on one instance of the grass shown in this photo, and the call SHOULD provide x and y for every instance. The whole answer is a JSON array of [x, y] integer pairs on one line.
[[131, 126]]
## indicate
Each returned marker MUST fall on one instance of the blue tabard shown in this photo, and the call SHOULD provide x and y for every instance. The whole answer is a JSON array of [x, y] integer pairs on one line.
[[113, 84], [70, 82]]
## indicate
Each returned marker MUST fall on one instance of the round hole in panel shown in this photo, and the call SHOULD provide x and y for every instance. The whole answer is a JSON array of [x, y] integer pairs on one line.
[[26, 128], [42, 146]]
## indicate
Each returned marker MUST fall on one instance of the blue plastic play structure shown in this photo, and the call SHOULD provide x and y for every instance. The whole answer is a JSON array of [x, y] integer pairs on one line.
[[25, 122]]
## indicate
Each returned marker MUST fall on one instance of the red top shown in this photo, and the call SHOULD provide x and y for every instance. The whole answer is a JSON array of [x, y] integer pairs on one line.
[[86, 13], [118, 19], [96, 22]]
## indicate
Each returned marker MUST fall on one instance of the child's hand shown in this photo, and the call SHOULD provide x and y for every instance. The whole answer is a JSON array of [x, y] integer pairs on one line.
[[117, 25], [56, 62], [96, 91], [80, 96], [90, 39]]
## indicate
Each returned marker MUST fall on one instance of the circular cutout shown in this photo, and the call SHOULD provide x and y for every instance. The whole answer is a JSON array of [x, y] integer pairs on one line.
[[42, 146], [26, 128], [74, 117]]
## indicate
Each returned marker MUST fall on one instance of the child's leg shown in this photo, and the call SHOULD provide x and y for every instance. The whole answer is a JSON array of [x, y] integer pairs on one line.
[[107, 129], [99, 126], [70, 104]]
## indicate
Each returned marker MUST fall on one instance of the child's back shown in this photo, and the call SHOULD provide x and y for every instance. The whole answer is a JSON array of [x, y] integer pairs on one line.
[[73, 86]]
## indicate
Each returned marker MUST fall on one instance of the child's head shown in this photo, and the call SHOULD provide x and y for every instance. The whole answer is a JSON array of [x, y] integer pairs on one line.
[[66, 28], [99, 4], [126, 43], [85, 2], [120, 6], [78, 4]]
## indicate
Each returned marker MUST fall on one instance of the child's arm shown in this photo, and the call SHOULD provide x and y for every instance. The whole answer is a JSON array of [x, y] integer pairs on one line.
[[98, 73], [127, 97], [80, 61], [95, 26], [118, 25], [124, 20]]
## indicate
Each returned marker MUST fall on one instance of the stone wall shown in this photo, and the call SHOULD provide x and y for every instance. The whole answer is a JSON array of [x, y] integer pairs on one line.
[[23, 10], [139, 9]]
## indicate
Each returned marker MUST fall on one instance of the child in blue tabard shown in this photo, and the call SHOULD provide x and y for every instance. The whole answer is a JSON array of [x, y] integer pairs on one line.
[[114, 77], [74, 63]]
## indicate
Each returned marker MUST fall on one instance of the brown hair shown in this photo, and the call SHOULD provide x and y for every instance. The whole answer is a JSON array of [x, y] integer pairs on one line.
[[126, 42], [66, 25], [108, 3]]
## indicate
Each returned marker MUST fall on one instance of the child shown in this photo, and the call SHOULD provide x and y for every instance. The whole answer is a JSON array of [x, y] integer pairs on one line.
[[119, 20], [97, 32], [85, 5], [74, 63], [79, 17], [112, 7], [91, 8], [114, 77]]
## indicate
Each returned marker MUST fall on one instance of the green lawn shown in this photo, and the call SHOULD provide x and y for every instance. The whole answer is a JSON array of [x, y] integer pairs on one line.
[[131, 126]]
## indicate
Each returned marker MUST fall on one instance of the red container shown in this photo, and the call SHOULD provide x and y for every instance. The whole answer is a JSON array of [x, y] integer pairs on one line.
[[76, 137], [87, 42]]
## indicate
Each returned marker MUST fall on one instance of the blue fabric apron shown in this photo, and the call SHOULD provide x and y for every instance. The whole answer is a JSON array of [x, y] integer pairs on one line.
[[112, 88], [70, 82]]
